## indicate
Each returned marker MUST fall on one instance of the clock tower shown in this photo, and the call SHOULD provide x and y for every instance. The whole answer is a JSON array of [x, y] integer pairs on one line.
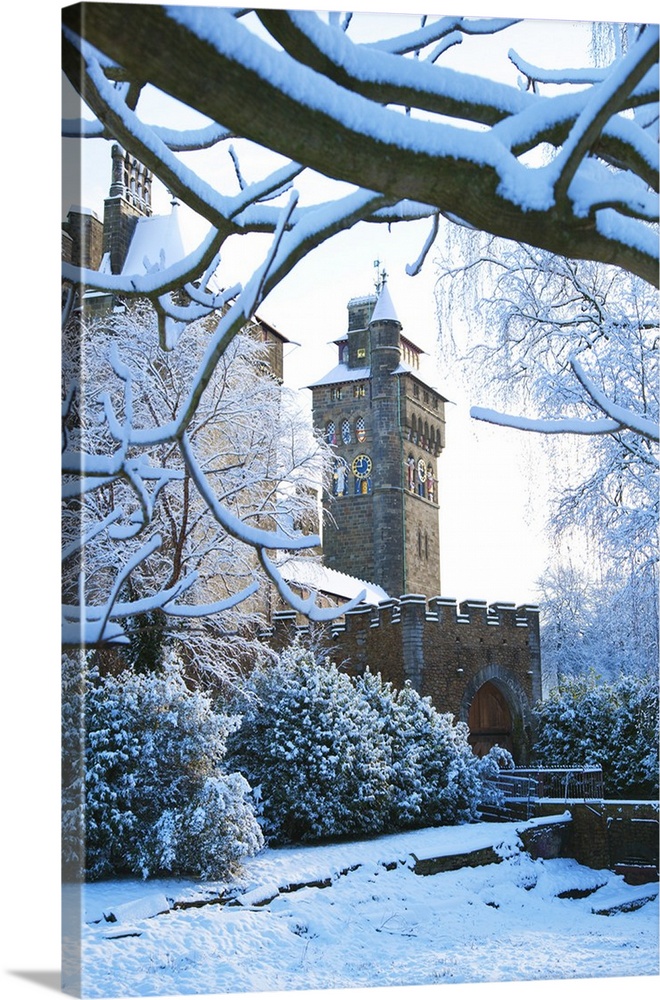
[[386, 423]]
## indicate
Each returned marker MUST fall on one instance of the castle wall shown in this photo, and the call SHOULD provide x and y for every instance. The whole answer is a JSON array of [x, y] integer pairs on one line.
[[82, 241], [422, 544], [347, 547], [446, 651]]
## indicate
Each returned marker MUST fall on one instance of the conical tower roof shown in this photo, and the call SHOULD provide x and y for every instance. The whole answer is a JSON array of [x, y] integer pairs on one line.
[[384, 310]]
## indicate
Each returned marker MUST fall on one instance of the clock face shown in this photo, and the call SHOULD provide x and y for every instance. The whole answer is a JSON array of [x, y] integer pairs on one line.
[[421, 470], [361, 466]]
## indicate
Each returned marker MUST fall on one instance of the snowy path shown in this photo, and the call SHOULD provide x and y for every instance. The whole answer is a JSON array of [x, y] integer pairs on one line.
[[373, 926]]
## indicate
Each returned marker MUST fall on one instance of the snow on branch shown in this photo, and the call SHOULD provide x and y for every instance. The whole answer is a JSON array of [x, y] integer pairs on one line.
[[566, 425], [624, 417], [321, 100], [258, 538], [306, 606], [617, 418]]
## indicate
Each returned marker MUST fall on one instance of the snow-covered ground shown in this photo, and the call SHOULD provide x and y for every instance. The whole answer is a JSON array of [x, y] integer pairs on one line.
[[376, 924]]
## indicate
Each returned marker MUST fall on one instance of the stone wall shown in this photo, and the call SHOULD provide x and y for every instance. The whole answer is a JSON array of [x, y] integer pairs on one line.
[[83, 246], [446, 651], [611, 834]]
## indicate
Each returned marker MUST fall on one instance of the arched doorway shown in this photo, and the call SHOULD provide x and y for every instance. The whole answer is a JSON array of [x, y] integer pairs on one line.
[[489, 720]]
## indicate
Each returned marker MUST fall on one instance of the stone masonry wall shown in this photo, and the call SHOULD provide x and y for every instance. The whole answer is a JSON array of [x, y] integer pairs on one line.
[[447, 652], [608, 834]]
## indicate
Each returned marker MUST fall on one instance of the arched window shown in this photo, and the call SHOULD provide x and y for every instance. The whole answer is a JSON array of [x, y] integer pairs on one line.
[[330, 432], [360, 429], [413, 428], [346, 431]]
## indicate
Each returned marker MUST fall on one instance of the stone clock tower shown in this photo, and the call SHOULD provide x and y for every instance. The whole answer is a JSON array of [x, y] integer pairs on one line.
[[387, 426]]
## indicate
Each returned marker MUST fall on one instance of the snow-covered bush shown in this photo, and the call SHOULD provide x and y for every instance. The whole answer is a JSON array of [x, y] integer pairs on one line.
[[314, 749], [434, 776], [156, 795], [334, 755], [587, 721]]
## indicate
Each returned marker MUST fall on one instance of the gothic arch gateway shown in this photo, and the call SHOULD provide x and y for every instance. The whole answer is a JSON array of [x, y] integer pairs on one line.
[[489, 720], [498, 712]]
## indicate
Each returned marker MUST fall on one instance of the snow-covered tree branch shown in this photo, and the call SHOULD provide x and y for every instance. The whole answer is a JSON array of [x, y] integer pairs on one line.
[[380, 129], [336, 105]]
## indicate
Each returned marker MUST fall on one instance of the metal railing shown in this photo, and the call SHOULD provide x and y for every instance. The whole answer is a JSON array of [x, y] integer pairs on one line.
[[565, 783], [514, 794]]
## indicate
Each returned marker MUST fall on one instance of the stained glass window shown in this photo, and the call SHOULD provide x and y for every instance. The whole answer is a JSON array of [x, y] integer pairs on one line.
[[346, 431]]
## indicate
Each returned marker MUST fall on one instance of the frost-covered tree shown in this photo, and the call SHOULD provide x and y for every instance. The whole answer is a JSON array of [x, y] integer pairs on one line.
[[389, 125], [589, 721], [575, 340], [576, 343], [150, 793], [255, 453], [607, 622], [313, 751], [332, 755], [434, 778]]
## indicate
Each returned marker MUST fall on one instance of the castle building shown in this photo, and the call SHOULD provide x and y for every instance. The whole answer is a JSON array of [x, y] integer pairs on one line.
[[131, 237], [387, 426], [385, 420]]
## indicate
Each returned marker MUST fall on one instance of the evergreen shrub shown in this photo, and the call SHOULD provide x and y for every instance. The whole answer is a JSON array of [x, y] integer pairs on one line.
[[153, 794], [331, 755], [586, 721]]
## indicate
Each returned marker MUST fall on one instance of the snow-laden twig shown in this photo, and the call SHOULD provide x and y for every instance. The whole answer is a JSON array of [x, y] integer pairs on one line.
[[624, 417], [258, 538], [306, 606], [540, 425]]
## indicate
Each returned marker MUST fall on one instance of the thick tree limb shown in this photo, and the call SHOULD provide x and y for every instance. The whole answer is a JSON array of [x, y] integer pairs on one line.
[[275, 101]]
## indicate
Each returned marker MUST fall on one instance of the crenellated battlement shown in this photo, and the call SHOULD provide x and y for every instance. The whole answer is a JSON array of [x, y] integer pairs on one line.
[[446, 611]]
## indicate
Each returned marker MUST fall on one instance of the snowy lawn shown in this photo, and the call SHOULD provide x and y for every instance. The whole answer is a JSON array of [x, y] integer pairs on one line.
[[377, 923]]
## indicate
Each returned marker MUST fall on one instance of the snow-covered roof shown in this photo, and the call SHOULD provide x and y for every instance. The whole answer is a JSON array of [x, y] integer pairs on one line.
[[156, 240], [403, 369], [83, 210], [342, 373], [314, 576], [384, 308]]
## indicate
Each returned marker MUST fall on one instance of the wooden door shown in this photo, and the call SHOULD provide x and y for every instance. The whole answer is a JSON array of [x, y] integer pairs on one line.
[[489, 721]]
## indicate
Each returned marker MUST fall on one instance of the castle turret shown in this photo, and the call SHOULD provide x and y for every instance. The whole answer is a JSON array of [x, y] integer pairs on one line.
[[129, 200], [386, 423], [388, 513]]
